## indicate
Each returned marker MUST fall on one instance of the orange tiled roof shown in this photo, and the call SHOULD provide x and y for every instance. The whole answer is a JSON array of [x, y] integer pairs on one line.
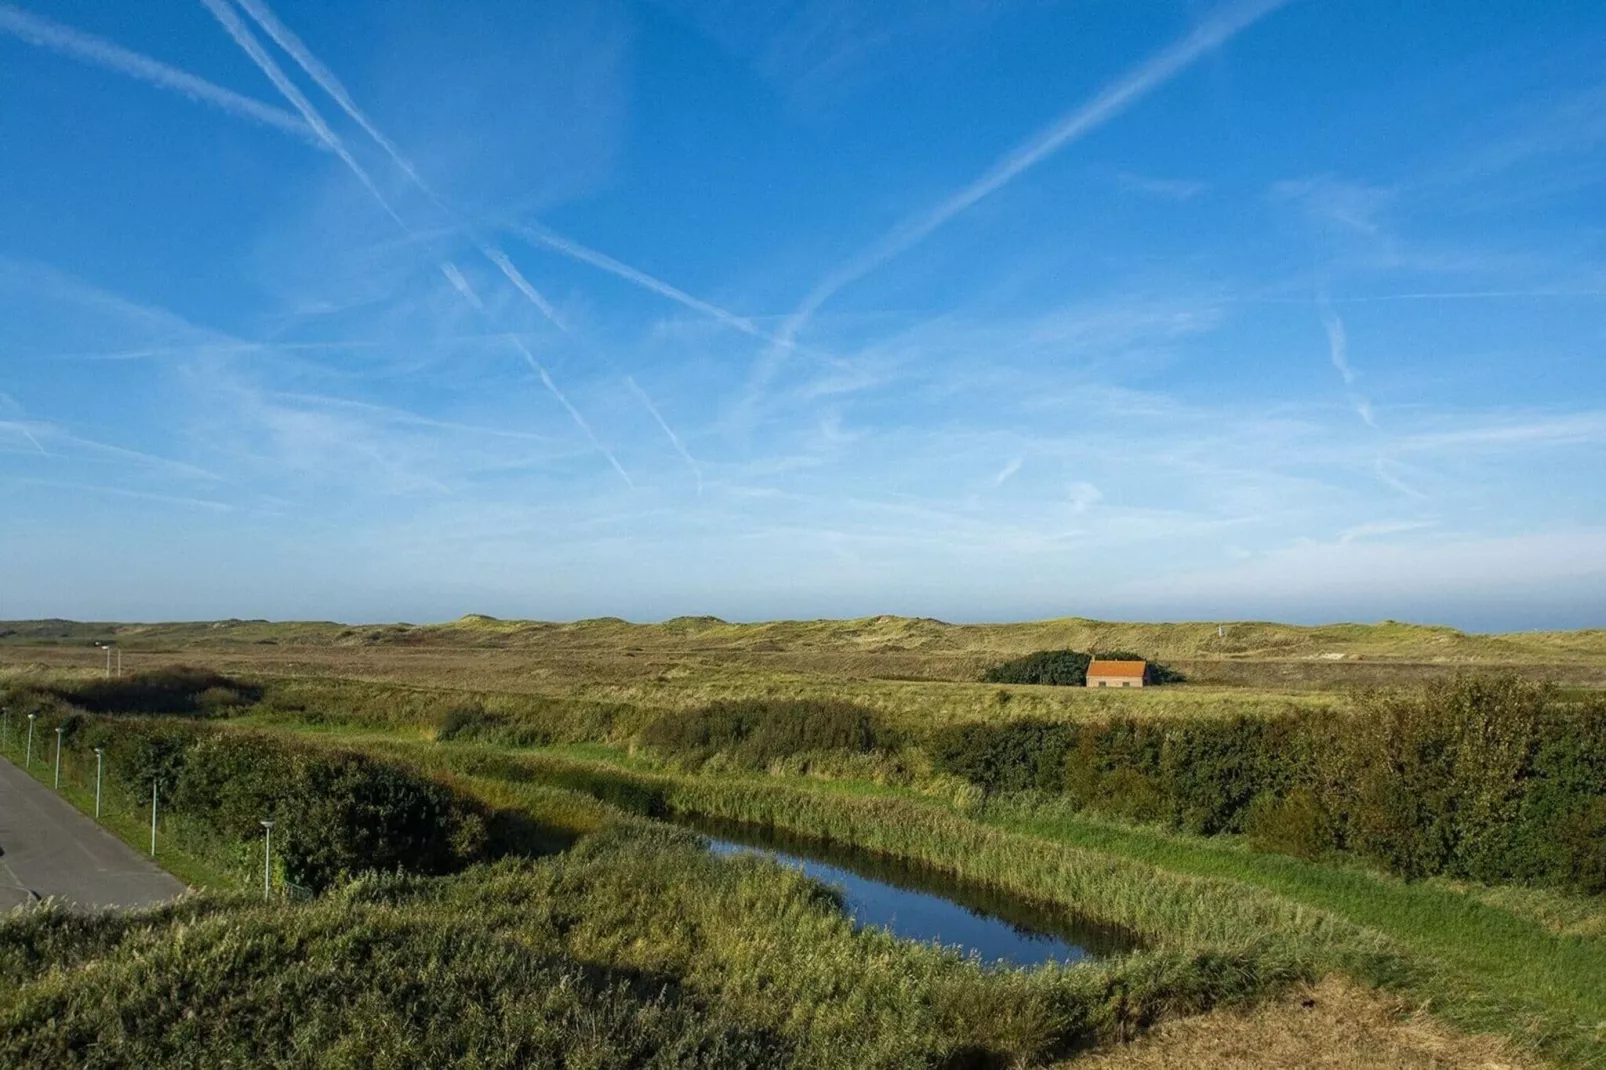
[[1121, 669]]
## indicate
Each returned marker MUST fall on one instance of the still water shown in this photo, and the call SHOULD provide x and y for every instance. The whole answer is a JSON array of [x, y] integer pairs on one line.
[[919, 903]]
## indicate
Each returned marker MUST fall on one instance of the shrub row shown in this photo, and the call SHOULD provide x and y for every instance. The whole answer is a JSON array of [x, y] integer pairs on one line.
[[755, 732], [1487, 778], [337, 813]]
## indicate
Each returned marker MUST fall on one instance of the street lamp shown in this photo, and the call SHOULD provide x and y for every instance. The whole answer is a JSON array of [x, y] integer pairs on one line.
[[98, 754], [153, 819], [267, 857], [5, 729], [107, 647], [27, 763], [58, 757]]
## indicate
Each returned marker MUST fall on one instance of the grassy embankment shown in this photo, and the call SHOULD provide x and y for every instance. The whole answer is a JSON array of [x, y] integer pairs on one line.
[[1484, 964]]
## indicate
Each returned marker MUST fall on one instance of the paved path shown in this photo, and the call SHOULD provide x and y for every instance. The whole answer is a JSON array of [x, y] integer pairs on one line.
[[50, 849]]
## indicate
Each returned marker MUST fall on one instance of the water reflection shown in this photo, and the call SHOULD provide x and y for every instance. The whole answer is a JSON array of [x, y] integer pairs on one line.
[[919, 903]]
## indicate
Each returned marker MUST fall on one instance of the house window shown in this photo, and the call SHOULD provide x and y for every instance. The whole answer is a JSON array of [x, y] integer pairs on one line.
[[1104, 683]]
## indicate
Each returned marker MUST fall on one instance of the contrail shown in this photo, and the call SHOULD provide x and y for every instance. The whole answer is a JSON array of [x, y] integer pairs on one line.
[[22, 429], [325, 79], [246, 40], [499, 258], [460, 284], [1106, 105], [540, 369], [252, 47], [680, 447], [81, 46], [585, 255]]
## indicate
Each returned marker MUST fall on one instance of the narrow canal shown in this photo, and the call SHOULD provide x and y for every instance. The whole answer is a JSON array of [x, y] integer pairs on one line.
[[919, 903]]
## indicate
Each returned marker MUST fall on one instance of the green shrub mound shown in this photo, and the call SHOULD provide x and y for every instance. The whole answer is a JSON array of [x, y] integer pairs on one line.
[[1489, 779], [752, 733], [1063, 668], [336, 812]]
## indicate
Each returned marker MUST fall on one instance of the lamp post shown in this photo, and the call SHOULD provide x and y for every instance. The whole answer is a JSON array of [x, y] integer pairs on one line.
[[107, 647], [58, 757], [5, 729], [153, 819], [98, 755], [27, 762], [267, 858]]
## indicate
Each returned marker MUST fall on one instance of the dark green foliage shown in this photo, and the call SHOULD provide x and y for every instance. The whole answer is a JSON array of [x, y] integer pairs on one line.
[[178, 689], [1016, 756], [1484, 778], [756, 732], [1062, 668], [338, 813], [1293, 824]]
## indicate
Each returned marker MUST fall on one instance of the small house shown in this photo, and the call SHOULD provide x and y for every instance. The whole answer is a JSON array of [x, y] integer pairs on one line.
[[1115, 673]]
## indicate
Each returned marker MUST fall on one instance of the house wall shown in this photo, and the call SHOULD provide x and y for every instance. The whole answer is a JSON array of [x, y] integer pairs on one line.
[[1114, 681]]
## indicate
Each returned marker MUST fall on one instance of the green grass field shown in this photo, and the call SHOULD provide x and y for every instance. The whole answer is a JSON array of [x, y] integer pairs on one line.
[[729, 963]]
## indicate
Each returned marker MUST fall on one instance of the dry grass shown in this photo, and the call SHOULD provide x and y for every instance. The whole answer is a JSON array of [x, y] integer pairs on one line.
[[1336, 1025]]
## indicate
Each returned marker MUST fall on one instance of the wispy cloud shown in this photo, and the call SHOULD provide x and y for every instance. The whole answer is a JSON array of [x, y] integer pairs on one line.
[[680, 447], [1108, 103], [1381, 528], [121, 492], [1585, 428], [1335, 202], [1338, 353], [70, 444], [1010, 468], [101, 53], [1166, 189]]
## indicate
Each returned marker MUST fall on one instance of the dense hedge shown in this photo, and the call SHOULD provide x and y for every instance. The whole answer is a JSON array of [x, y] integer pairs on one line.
[[1488, 779], [337, 813], [755, 732]]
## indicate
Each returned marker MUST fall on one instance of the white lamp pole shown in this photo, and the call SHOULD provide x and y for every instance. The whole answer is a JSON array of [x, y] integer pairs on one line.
[[98, 755], [153, 819], [5, 728], [58, 757], [108, 649], [27, 763], [267, 859]]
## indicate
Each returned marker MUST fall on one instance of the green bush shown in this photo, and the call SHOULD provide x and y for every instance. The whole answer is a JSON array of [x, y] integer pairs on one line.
[[756, 732], [1016, 756], [1061, 668], [338, 813]]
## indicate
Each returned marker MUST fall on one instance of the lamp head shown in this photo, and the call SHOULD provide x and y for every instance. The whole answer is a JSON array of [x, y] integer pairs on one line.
[[267, 824]]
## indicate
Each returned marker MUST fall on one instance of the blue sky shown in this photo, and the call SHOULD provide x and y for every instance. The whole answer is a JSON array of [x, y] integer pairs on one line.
[[974, 310]]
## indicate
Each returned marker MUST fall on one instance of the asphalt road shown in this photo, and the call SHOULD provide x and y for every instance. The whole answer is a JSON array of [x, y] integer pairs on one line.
[[48, 848]]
